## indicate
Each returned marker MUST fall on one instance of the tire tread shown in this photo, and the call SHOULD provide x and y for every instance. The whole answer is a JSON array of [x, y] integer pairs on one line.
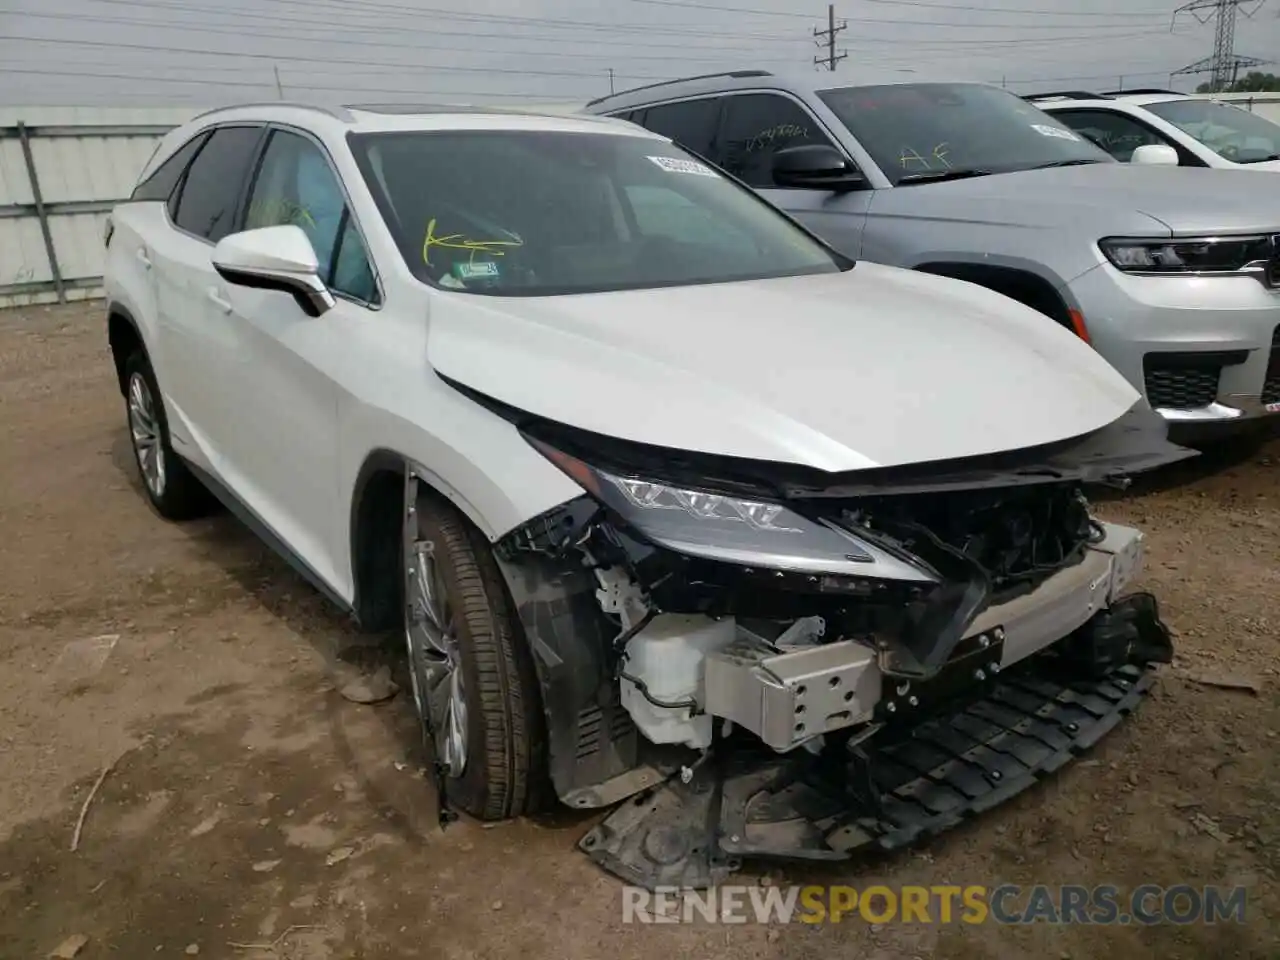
[[507, 697]]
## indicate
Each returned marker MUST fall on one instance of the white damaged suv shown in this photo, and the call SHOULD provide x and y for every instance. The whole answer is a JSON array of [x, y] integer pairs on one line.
[[647, 474]]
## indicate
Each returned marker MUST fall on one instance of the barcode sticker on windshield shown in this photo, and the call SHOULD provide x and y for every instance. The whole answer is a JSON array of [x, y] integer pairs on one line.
[[1047, 131], [676, 165]]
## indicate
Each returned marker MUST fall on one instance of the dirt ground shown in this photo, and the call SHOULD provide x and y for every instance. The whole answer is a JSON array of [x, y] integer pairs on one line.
[[249, 804]]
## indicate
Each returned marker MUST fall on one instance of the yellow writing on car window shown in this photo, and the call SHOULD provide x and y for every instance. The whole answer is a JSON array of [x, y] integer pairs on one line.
[[938, 155], [456, 241], [279, 211], [773, 134], [909, 156]]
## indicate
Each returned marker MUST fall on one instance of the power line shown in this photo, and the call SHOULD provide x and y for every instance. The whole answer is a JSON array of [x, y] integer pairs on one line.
[[967, 24], [828, 37], [268, 84], [1087, 76], [987, 8], [542, 23], [295, 58], [227, 30], [415, 13], [874, 43]]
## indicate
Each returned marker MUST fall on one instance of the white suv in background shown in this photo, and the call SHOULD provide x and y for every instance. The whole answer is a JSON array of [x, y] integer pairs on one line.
[[1165, 127]]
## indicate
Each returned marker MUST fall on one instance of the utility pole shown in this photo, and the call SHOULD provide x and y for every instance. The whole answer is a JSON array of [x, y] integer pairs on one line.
[[1224, 66], [611, 81], [279, 85], [827, 38]]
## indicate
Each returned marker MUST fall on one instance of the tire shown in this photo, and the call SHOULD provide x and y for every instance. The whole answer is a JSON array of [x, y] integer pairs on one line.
[[504, 773], [172, 489]]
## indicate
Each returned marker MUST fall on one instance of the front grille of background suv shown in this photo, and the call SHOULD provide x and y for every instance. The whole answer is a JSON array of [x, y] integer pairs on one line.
[[1186, 381], [1271, 387]]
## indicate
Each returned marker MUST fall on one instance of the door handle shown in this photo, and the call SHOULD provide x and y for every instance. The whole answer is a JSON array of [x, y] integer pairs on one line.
[[143, 258], [218, 301]]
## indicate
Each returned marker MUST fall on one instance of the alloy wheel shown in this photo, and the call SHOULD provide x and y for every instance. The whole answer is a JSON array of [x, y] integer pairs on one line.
[[435, 666], [144, 429]]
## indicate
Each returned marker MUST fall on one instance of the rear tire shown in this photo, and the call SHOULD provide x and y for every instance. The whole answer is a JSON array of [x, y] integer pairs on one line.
[[498, 767], [171, 487]]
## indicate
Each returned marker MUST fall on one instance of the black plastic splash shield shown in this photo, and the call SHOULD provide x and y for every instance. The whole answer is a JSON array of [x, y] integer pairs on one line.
[[953, 766]]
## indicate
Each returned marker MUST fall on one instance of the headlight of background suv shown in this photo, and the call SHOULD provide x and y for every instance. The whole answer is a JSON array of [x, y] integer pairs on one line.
[[737, 530], [1190, 255]]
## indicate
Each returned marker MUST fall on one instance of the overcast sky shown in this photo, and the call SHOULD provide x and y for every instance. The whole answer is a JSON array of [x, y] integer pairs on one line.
[[156, 52]]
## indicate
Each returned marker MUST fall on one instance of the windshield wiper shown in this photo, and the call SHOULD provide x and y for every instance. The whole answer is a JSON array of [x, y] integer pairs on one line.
[[1078, 162], [933, 176], [1274, 156]]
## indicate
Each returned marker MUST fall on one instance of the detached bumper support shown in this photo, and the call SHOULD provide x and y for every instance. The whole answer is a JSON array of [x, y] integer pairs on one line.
[[883, 794]]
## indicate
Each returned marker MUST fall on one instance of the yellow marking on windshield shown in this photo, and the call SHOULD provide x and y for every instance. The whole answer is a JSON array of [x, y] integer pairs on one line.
[[940, 155], [456, 241], [910, 156]]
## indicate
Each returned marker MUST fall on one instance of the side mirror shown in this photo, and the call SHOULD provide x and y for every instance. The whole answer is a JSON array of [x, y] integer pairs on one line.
[[1155, 154], [275, 258], [816, 166]]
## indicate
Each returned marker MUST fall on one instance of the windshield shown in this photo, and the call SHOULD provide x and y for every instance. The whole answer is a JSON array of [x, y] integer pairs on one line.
[[919, 131], [1228, 131], [535, 213]]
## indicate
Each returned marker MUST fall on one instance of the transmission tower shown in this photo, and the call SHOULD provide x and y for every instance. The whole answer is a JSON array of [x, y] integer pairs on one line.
[[1224, 66], [827, 38]]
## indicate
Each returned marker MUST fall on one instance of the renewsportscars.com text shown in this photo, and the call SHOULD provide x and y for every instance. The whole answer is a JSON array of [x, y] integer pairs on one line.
[[1148, 904]]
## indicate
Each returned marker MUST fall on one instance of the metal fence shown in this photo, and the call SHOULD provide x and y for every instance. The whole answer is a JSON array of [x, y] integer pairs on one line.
[[61, 172]]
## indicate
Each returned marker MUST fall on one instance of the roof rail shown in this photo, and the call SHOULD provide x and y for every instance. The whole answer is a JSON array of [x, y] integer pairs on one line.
[[735, 74], [340, 113], [1066, 95], [1142, 90]]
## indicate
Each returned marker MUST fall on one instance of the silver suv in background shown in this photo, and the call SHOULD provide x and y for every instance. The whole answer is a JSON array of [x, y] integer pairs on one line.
[[1172, 274]]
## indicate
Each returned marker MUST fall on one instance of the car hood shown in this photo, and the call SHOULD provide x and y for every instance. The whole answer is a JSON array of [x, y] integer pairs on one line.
[[1114, 197], [873, 367]]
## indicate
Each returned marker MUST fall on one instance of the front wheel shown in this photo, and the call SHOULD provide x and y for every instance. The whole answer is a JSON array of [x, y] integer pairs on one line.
[[473, 680]]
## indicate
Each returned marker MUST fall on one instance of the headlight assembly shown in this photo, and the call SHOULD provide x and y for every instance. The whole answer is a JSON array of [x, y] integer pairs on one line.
[[732, 529], [1192, 255]]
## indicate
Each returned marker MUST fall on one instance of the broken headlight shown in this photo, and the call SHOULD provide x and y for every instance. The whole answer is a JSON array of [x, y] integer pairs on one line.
[[732, 529]]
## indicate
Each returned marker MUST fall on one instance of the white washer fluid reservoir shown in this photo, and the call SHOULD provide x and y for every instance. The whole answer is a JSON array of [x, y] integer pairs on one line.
[[667, 657]]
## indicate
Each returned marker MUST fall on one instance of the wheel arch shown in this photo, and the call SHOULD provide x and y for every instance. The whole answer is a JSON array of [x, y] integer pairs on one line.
[[123, 337], [375, 526], [1025, 286]]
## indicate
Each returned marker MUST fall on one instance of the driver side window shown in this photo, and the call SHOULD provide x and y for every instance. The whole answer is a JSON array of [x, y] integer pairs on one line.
[[755, 127], [296, 186]]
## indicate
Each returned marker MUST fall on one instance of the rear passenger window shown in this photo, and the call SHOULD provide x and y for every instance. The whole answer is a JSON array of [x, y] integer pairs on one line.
[[160, 184], [757, 125], [206, 200], [691, 123]]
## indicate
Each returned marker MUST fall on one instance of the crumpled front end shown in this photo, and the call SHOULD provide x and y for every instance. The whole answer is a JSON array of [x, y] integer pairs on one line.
[[807, 673]]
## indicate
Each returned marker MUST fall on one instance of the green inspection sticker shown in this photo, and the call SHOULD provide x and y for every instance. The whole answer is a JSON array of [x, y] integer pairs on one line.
[[484, 269]]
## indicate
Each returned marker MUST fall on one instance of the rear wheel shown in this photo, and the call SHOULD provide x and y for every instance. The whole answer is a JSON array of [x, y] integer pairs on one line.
[[170, 486], [473, 679]]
